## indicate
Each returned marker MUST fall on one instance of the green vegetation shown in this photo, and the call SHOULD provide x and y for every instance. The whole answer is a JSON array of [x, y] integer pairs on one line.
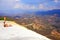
[[8, 19], [1, 18]]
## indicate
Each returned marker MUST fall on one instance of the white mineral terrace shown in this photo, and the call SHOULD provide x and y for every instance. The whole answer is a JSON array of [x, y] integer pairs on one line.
[[18, 32]]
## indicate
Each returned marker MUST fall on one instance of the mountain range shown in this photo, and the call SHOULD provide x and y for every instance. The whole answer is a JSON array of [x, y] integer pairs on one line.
[[49, 12]]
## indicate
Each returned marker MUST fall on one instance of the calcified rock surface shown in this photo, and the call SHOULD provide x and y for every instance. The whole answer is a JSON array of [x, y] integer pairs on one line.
[[18, 32]]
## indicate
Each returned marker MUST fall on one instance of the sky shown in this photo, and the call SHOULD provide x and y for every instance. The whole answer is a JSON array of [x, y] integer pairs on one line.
[[31, 5]]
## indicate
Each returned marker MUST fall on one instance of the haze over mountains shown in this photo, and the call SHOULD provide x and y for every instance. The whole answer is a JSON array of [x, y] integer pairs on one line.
[[14, 12]]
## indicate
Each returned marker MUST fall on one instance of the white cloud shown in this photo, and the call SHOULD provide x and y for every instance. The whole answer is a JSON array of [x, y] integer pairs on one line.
[[17, 0], [24, 6], [41, 6], [17, 6], [51, 8], [33, 7], [56, 1]]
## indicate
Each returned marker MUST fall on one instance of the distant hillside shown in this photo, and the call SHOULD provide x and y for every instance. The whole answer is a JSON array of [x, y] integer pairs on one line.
[[50, 12]]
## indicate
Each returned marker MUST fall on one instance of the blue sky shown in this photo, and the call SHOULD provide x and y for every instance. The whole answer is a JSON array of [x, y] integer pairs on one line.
[[31, 5]]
